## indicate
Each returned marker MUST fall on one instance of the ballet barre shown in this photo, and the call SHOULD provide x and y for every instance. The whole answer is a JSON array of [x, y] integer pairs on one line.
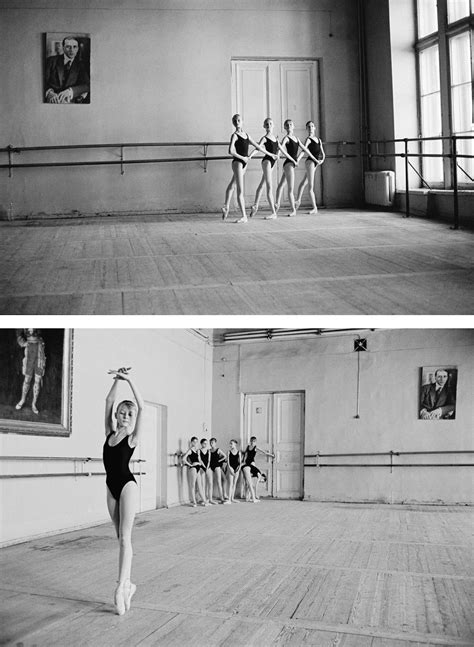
[[390, 454], [83, 460]]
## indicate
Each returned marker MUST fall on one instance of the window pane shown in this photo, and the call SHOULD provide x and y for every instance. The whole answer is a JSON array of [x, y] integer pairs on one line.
[[465, 147], [431, 115], [429, 70], [432, 166], [427, 17], [460, 54], [457, 9], [462, 107]]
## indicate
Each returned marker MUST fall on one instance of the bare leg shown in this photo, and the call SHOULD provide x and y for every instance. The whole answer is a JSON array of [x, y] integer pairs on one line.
[[218, 473], [192, 477], [113, 508], [279, 190], [267, 176], [310, 173], [128, 505], [201, 490], [228, 196], [290, 179], [258, 195], [248, 480], [239, 172], [209, 486], [301, 187]]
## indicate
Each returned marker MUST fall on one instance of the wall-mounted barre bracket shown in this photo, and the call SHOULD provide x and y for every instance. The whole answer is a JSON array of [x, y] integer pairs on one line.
[[205, 157], [122, 170]]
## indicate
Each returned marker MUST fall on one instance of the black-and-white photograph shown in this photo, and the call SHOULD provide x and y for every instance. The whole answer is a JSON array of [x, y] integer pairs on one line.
[[328, 513], [438, 393], [67, 68]]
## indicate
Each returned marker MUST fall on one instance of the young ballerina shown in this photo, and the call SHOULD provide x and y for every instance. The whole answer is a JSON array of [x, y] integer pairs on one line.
[[122, 431], [272, 145], [250, 469], [239, 149], [315, 145], [192, 461], [234, 463], [218, 459], [290, 146], [206, 472]]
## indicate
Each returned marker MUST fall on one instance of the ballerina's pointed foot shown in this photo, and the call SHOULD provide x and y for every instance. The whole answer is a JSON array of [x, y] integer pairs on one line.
[[225, 213], [253, 210], [272, 216], [242, 219], [293, 213], [19, 405], [119, 600], [130, 592], [313, 211], [34, 409]]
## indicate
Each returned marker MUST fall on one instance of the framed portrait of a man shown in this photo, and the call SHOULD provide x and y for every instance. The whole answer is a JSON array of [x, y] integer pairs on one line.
[[438, 386], [36, 381], [67, 68]]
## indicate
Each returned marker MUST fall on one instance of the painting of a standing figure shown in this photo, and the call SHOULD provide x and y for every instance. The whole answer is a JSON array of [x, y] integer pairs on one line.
[[35, 380]]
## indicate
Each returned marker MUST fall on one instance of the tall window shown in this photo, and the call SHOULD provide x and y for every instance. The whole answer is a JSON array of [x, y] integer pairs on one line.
[[446, 108]]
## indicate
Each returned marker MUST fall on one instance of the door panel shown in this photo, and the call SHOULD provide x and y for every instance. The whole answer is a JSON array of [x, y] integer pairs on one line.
[[288, 445], [279, 89], [276, 419]]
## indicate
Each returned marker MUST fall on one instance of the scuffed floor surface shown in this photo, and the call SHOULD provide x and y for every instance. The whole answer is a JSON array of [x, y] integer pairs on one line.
[[337, 262], [277, 573]]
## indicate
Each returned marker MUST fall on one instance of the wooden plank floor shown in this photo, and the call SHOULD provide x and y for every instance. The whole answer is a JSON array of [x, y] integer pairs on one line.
[[276, 573], [338, 262]]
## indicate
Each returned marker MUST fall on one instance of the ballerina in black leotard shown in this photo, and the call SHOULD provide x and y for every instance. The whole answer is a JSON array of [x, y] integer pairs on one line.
[[315, 146], [218, 458], [290, 146], [193, 462], [234, 463], [122, 431], [239, 149], [272, 145], [250, 468]]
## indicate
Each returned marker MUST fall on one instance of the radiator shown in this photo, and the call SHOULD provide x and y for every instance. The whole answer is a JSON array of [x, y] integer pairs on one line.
[[380, 187]]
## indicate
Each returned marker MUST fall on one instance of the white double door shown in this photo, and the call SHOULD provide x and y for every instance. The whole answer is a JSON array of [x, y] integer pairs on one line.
[[280, 89], [277, 421]]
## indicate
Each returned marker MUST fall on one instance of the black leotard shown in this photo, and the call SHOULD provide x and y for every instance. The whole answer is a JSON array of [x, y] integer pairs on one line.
[[116, 462], [315, 149], [271, 147], [234, 460], [216, 459], [242, 148], [292, 150], [205, 459], [249, 459], [194, 458]]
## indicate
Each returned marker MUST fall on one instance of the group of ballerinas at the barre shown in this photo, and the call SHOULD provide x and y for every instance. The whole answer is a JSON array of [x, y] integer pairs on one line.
[[209, 466], [291, 148]]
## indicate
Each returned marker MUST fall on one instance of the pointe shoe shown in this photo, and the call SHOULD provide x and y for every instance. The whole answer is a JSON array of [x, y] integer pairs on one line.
[[242, 219], [272, 216], [225, 213], [130, 592], [19, 405], [313, 211], [34, 409], [119, 600], [253, 210], [293, 213]]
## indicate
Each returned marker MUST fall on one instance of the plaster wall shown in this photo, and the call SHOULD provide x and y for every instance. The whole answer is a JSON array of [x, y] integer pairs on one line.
[[172, 367], [325, 368], [161, 72]]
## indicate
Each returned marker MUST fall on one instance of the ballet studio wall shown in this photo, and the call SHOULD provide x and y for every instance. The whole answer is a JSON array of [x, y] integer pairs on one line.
[[173, 370]]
